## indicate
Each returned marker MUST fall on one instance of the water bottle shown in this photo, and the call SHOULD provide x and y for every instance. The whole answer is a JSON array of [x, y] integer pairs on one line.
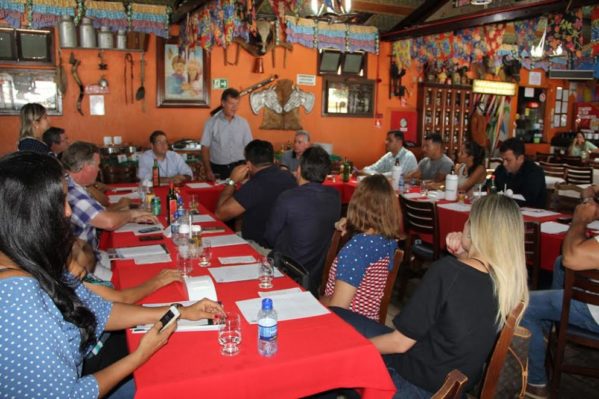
[[401, 184], [396, 174], [267, 329], [451, 187]]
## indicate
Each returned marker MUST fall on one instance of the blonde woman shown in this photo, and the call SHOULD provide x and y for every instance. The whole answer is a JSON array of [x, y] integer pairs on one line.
[[34, 122], [359, 273], [452, 320]]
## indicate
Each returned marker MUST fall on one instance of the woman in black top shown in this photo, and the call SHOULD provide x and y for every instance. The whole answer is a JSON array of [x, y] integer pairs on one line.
[[452, 320], [34, 122]]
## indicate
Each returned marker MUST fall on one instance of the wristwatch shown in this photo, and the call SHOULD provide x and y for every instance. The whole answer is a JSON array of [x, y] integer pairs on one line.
[[230, 182]]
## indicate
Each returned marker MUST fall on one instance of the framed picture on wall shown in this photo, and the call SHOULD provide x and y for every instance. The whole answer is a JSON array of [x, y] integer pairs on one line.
[[348, 97], [182, 76], [21, 86]]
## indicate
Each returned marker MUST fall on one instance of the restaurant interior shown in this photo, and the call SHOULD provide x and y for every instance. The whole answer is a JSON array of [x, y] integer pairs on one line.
[[348, 72]]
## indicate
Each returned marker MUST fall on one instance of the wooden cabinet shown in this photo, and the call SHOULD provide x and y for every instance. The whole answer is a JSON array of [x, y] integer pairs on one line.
[[444, 109]]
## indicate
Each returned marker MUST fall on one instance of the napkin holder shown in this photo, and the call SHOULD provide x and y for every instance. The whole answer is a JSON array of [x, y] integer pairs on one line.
[[200, 287]]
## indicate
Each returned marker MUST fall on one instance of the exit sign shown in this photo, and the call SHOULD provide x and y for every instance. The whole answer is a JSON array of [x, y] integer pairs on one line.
[[220, 83]]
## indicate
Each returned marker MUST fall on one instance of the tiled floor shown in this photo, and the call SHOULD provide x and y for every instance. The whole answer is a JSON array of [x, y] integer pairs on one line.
[[571, 386]]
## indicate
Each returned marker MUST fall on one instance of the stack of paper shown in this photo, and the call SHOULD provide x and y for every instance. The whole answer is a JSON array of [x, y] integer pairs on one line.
[[288, 306], [145, 254], [151, 259], [230, 274], [226, 240], [198, 185], [182, 324], [537, 213]]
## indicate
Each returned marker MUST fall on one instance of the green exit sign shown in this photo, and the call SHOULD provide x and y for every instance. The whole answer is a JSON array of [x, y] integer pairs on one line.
[[220, 83]]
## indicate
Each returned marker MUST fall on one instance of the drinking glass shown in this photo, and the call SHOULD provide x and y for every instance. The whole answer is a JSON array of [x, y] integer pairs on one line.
[[229, 334], [206, 254], [424, 187], [266, 273], [184, 260]]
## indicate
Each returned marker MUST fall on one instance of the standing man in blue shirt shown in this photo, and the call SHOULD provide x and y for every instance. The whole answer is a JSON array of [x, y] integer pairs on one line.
[[394, 144], [171, 165], [303, 218], [225, 136]]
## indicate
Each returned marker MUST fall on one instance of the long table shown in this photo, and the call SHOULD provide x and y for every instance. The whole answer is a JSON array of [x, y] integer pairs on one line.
[[315, 354]]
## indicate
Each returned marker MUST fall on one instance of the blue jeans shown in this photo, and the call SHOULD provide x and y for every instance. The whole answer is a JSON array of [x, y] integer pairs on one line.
[[544, 308], [370, 328]]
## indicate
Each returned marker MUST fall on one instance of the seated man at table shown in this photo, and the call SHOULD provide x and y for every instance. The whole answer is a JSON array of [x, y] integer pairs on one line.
[[256, 198], [303, 219], [56, 140], [394, 144], [521, 175], [435, 165], [545, 307], [171, 165], [291, 158], [82, 163]]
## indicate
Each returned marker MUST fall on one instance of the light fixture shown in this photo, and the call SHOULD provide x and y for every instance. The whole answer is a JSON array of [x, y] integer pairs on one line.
[[558, 51], [480, 2], [333, 11], [537, 51]]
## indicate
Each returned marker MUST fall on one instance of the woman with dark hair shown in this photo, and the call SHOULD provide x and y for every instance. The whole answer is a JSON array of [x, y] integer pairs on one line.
[[580, 147], [48, 320], [359, 273], [470, 167], [34, 122]]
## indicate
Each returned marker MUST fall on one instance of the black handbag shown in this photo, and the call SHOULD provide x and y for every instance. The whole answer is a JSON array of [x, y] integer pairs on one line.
[[291, 268]]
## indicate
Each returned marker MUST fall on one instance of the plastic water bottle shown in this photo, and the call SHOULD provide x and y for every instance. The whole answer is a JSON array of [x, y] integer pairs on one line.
[[267, 329], [400, 184], [396, 174]]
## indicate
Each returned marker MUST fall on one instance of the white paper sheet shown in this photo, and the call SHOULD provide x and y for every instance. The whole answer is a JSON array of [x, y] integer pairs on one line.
[[226, 240], [537, 213], [230, 274], [456, 206], [288, 307], [121, 189], [199, 185], [551, 181], [135, 227], [113, 199], [201, 218], [182, 324], [232, 260], [270, 294], [151, 259], [136, 252], [554, 228], [593, 225]]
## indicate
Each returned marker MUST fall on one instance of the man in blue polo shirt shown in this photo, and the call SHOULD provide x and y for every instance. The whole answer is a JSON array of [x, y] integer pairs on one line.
[[303, 219], [254, 199]]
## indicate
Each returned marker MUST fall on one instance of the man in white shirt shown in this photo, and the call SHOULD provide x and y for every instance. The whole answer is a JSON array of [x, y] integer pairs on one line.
[[394, 144], [171, 165], [225, 136]]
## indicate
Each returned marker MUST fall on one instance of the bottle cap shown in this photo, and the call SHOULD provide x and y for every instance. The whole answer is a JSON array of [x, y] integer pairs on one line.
[[267, 304]]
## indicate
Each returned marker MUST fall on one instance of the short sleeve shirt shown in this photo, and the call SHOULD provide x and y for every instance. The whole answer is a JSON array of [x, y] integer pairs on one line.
[[407, 161], [364, 262], [173, 164], [226, 139], [430, 169], [258, 197], [85, 209], [39, 350]]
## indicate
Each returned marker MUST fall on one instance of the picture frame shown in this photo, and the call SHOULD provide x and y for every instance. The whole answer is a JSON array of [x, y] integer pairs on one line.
[[21, 86], [182, 76], [345, 97]]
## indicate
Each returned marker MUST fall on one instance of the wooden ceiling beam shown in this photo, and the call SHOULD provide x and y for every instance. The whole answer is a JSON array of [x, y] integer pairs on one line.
[[420, 14], [489, 16], [185, 8], [377, 8]]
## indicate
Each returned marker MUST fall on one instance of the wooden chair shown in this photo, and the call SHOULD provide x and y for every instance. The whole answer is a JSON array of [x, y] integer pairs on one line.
[[337, 242], [579, 174], [398, 257], [452, 387], [532, 249], [498, 357], [553, 169], [543, 157], [581, 286], [571, 160]]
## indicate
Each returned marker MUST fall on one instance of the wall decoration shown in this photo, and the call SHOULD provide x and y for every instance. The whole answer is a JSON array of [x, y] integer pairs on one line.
[[21, 86], [281, 103], [183, 76], [45, 13], [348, 97]]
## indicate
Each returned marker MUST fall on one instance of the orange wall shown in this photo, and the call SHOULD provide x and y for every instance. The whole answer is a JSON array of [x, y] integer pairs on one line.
[[356, 138]]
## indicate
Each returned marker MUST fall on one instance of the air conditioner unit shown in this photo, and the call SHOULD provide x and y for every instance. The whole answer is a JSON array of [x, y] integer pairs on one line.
[[571, 74]]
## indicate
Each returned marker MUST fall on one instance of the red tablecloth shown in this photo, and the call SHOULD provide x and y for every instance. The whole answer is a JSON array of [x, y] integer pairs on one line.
[[315, 354]]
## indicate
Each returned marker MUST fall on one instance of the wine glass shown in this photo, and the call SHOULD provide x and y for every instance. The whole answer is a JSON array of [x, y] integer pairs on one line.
[[229, 334], [266, 272]]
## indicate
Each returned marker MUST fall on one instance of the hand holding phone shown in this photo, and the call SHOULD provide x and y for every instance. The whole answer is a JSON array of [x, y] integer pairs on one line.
[[158, 335], [169, 317]]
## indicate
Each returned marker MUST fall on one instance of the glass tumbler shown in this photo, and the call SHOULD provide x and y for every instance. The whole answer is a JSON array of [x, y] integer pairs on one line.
[[229, 334], [266, 273]]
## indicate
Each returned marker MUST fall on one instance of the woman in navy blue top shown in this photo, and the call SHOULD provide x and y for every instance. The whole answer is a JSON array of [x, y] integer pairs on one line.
[[48, 320], [34, 122]]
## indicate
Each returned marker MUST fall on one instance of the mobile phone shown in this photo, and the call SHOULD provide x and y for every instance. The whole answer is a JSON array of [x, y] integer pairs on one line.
[[151, 237], [169, 317], [149, 229]]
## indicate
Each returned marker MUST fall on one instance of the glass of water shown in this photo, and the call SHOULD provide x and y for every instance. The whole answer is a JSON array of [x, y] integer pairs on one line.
[[229, 334], [266, 273], [206, 253], [184, 260]]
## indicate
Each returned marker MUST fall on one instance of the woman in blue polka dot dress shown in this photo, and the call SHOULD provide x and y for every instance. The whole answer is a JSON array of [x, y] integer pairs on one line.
[[359, 273], [48, 320]]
